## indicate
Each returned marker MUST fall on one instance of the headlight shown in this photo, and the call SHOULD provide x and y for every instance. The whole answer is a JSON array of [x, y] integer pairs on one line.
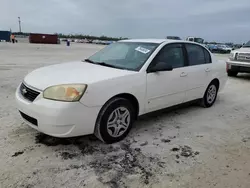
[[67, 92], [231, 56]]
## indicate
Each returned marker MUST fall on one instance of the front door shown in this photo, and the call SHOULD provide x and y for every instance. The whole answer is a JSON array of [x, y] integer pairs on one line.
[[167, 88]]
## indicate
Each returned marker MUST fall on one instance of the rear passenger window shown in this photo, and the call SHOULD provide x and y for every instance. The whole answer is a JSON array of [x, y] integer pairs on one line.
[[196, 55], [207, 56]]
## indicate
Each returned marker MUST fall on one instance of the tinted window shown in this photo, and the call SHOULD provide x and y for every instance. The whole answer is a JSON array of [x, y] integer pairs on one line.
[[207, 56], [172, 55], [195, 54]]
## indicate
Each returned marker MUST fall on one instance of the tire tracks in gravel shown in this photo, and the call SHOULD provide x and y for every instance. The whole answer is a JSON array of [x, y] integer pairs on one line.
[[111, 163]]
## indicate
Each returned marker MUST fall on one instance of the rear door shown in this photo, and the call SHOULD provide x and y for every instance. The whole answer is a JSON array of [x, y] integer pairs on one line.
[[199, 71]]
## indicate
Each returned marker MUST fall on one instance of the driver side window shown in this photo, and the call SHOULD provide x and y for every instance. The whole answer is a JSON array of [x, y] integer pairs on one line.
[[172, 55]]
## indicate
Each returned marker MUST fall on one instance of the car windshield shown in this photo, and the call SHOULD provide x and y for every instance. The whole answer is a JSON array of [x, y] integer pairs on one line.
[[124, 55], [247, 45]]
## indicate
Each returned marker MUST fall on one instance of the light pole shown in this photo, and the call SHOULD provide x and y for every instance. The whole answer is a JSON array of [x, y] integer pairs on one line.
[[19, 21]]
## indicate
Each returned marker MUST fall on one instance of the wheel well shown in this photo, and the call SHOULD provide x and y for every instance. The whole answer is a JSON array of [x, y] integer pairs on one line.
[[132, 99], [217, 82]]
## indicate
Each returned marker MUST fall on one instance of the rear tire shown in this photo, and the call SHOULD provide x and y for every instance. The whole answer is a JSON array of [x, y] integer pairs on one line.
[[115, 120], [232, 73], [210, 95]]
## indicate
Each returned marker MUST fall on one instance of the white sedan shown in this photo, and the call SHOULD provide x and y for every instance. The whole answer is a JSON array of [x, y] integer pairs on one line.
[[107, 92]]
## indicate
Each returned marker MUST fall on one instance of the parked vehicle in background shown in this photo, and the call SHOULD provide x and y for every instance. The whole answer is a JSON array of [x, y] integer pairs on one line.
[[237, 46], [63, 40], [5, 36], [212, 47], [81, 41], [97, 42], [89, 41], [106, 93], [239, 61], [195, 39], [222, 48], [103, 42], [107, 42], [173, 38]]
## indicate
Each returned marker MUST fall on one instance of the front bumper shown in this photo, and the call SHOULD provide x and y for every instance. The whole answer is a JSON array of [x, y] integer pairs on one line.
[[59, 119], [238, 66]]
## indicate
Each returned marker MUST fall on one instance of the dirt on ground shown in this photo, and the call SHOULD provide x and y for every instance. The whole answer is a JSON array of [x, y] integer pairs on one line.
[[189, 147]]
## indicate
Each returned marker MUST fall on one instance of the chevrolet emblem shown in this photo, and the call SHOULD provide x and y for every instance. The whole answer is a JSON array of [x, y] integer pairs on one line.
[[24, 91]]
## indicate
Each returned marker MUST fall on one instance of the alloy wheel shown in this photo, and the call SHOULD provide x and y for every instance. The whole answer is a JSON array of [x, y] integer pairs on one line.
[[211, 94], [118, 121]]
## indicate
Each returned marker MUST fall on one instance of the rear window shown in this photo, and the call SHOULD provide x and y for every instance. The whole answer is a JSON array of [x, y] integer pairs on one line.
[[207, 56], [196, 55]]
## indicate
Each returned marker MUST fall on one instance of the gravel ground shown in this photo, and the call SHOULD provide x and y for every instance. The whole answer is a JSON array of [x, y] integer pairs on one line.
[[189, 147]]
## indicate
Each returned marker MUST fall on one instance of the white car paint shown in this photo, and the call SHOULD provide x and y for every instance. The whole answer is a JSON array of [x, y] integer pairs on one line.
[[171, 94], [83, 73], [153, 91]]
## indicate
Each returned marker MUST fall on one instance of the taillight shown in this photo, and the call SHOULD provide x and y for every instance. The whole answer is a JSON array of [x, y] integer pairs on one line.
[[227, 66]]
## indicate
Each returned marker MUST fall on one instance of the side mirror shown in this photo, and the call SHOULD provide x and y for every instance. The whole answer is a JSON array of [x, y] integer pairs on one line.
[[161, 66]]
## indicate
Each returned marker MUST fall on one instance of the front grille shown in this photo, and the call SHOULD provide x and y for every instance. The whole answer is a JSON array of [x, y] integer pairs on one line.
[[243, 57], [28, 93], [28, 118]]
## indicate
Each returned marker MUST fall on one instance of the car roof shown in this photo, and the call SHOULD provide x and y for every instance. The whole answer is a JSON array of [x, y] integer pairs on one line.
[[157, 41]]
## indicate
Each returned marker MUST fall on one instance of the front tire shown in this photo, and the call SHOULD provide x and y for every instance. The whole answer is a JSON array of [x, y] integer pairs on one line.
[[210, 95], [115, 120]]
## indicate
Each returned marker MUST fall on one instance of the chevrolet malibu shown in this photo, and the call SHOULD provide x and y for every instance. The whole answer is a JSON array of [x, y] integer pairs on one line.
[[105, 93]]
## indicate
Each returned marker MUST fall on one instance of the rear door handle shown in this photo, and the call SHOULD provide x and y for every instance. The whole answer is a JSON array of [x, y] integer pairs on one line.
[[183, 74], [207, 69]]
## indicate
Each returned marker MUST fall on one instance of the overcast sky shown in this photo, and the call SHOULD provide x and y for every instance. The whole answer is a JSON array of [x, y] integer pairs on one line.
[[220, 20]]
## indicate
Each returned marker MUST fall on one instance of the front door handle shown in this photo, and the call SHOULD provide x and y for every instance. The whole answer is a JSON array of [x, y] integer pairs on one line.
[[207, 69], [183, 74]]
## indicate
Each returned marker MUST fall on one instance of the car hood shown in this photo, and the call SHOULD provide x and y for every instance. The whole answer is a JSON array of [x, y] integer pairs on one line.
[[72, 73], [246, 50]]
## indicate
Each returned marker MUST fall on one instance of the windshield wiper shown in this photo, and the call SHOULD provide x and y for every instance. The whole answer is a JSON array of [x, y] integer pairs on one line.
[[106, 64], [102, 63], [89, 61]]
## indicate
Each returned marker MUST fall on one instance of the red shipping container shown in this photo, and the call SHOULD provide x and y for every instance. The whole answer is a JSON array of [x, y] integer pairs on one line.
[[43, 38]]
